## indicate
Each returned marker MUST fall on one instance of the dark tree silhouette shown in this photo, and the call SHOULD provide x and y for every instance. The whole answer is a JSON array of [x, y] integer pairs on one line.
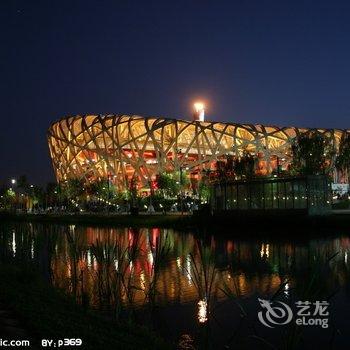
[[313, 154], [342, 162]]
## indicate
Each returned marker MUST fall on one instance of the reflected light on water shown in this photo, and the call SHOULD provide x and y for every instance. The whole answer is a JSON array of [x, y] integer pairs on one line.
[[142, 280], [244, 268], [178, 262], [202, 311], [247, 267], [89, 258], [286, 289], [32, 248], [188, 269], [13, 243], [150, 257], [265, 250], [116, 264]]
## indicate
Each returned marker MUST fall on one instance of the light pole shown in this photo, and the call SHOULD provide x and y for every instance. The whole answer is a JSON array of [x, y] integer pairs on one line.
[[178, 152], [32, 197], [151, 194], [108, 177], [199, 110], [181, 194], [13, 182]]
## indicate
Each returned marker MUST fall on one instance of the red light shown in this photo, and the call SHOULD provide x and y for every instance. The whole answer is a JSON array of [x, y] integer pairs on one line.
[[154, 185]]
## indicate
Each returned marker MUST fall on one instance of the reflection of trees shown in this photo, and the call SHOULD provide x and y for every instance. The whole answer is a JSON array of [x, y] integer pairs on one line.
[[159, 253], [105, 253], [122, 267], [114, 273], [44, 247], [203, 270], [76, 253], [27, 242], [203, 274]]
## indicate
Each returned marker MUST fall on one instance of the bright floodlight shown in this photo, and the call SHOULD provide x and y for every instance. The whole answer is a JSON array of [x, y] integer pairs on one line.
[[198, 106], [13, 181], [198, 111]]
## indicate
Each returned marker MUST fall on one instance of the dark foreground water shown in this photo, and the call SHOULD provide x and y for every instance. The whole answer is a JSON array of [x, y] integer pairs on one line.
[[199, 292]]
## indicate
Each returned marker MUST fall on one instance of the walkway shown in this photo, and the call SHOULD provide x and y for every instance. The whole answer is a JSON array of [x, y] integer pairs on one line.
[[341, 211]]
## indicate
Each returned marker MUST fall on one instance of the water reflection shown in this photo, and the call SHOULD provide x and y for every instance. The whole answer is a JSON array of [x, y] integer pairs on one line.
[[116, 268], [162, 265], [202, 311]]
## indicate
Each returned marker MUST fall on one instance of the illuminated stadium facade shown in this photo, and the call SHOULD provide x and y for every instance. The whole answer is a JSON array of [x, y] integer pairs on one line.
[[120, 147]]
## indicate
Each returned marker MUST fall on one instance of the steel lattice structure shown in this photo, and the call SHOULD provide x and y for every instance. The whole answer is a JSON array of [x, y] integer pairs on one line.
[[117, 147]]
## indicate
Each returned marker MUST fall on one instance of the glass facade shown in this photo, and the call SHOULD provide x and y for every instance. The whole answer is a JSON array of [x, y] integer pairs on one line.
[[312, 193]]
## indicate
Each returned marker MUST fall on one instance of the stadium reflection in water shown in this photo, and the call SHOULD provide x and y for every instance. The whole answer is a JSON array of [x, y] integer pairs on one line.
[[105, 267], [79, 256]]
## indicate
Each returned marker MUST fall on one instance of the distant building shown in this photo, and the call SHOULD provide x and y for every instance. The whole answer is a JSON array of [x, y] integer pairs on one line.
[[119, 147]]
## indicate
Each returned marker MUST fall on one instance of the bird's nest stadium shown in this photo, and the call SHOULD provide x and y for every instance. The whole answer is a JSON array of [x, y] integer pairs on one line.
[[120, 147]]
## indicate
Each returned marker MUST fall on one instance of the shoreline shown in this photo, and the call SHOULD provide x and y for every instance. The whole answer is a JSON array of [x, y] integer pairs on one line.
[[46, 312], [239, 223]]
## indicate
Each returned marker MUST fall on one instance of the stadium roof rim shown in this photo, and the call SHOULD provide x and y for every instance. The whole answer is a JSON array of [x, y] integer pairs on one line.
[[193, 121]]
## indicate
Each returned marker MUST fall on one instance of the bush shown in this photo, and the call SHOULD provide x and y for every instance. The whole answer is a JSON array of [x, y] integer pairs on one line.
[[344, 204]]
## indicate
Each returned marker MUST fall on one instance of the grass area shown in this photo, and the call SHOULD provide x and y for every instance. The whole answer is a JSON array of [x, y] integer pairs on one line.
[[344, 204], [49, 313]]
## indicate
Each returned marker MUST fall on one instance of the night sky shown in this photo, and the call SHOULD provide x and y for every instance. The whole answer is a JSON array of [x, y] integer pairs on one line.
[[271, 62]]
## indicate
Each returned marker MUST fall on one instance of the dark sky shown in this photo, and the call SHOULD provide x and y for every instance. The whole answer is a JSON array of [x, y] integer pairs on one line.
[[273, 62]]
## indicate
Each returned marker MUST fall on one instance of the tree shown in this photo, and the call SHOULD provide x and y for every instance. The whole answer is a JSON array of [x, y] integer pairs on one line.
[[224, 168], [133, 195], [203, 190], [52, 193], [22, 183], [244, 167], [37, 194], [8, 197], [74, 188], [342, 162], [313, 154], [168, 185], [102, 188], [61, 193]]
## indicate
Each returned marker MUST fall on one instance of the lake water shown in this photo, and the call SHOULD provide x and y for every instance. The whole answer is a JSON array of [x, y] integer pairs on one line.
[[200, 291]]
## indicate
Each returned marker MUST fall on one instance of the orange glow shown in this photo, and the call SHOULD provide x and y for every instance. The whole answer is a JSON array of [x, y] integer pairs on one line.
[[198, 106]]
